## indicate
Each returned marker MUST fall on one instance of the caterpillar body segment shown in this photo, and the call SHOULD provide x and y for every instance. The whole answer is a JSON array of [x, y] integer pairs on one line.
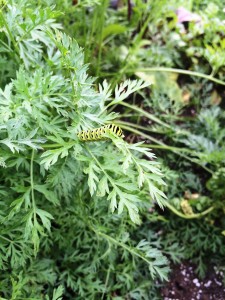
[[97, 134]]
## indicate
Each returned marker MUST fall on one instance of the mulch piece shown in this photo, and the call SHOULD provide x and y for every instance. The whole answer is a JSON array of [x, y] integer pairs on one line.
[[184, 284]]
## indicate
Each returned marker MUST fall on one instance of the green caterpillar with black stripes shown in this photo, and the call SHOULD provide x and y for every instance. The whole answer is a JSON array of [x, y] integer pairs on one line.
[[97, 134]]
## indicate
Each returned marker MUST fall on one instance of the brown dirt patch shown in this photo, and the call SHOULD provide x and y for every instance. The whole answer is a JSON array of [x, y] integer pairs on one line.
[[184, 284]]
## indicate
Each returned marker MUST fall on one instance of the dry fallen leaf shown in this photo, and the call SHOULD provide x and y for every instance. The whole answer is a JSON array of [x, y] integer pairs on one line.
[[186, 96], [215, 98]]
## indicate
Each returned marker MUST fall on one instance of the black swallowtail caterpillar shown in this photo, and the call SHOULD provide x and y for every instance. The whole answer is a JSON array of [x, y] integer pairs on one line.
[[97, 134]]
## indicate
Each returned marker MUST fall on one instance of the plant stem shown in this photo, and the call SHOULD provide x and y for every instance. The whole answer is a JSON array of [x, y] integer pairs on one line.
[[180, 71], [32, 181], [188, 217], [129, 128], [106, 282], [144, 113], [103, 170], [122, 245], [148, 129], [6, 239]]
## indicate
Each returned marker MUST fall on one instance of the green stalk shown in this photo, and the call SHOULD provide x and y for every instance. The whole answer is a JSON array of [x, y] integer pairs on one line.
[[148, 129], [153, 118], [122, 245], [180, 71], [146, 114], [32, 182], [6, 239], [188, 217], [106, 282], [164, 146]]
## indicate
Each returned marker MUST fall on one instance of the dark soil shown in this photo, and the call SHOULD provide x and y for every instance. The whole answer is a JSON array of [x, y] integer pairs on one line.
[[184, 284]]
